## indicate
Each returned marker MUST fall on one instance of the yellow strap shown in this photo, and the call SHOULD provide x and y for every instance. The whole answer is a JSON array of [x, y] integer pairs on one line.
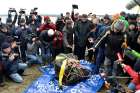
[[62, 71]]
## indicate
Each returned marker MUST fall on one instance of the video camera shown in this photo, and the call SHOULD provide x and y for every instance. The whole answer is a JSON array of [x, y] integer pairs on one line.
[[132, 4], [12, 10], [74, 6], [22, 11], [33, 11]]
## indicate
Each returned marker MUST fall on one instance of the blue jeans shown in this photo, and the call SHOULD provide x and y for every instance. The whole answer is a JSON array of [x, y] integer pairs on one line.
[[132, 86], [34, 59], [17, 77], [100, 58]]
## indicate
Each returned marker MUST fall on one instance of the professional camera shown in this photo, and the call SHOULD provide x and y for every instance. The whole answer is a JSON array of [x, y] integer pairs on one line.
[[132, 18], [33, 11], [22, 11], [12, 10], [74, 6]]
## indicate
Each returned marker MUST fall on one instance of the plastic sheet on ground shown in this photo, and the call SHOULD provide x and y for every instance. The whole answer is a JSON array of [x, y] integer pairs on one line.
[[47, 83]]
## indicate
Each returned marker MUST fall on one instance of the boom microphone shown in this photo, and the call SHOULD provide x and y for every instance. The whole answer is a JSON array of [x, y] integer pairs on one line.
[[132, 4]]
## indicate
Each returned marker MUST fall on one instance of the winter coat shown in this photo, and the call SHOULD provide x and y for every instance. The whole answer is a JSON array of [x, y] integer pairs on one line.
[[37, 21], [67, 36], [10, 66], [47, 27], [135, 76], [54, 41], [24, 34], [81, 29], [3, 37], [113, 43]]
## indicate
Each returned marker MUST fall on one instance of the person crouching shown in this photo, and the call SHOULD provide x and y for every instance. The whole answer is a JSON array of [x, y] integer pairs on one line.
[[11, 63]]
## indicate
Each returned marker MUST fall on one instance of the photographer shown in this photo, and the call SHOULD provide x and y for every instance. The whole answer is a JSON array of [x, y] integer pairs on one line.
[[34, 17], [74, 16], [32, 53], [11, 63], [60, 23], [10, 11], [9, 23], [22, 14], [24, 34], [4, 34]]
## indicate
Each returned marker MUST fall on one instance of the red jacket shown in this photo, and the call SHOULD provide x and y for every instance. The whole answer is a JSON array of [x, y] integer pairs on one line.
[[58, 40], [47, 27], [134, 75]]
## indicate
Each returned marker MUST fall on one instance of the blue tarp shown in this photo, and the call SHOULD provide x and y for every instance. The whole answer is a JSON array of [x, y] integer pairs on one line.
[[47, 83]]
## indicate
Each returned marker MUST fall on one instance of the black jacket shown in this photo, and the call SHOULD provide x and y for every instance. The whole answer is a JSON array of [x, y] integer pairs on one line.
[[10, 66], [113, 43], [81, 29], [24, 34], [45, 39], [3, 37]]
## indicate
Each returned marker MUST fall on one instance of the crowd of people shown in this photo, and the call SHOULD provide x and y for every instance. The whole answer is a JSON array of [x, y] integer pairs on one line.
[[37, 40]]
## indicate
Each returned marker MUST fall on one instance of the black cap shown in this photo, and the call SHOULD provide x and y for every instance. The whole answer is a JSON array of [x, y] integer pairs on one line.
[[5, 45]]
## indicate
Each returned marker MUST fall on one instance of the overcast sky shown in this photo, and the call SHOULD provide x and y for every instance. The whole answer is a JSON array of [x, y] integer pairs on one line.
[[58, 6]]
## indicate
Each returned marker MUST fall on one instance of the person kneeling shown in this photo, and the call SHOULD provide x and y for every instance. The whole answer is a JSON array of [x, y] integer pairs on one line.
[[135, 74], [11, 62]]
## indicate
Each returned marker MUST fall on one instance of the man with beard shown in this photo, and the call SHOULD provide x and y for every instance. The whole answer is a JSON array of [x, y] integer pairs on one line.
[[68, 36]]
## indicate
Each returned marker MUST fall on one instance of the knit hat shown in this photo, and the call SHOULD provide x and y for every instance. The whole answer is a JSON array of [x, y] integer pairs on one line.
[[137, 66], [119, 25], [46, 18], [5, 45]]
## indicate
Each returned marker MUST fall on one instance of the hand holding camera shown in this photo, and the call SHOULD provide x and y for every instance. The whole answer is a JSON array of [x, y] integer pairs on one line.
[[22, 11], [13, 56], [12, 10]]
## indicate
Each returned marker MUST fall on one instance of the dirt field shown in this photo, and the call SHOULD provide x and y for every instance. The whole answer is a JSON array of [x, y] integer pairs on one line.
[[11, 87]]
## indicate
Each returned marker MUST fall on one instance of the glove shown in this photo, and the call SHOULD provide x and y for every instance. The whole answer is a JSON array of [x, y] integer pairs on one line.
[[123, 65]]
